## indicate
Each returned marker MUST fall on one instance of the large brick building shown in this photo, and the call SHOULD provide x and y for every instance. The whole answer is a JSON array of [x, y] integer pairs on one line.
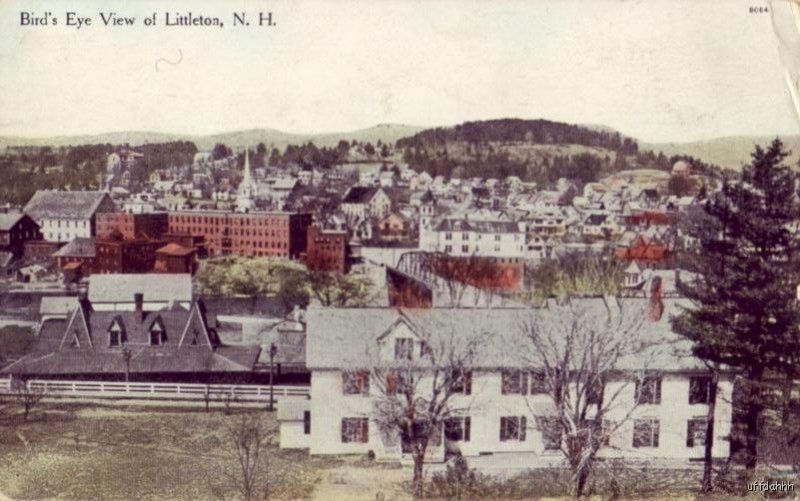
[[327, 250], [125, 256], [131, 226], [279, 234]]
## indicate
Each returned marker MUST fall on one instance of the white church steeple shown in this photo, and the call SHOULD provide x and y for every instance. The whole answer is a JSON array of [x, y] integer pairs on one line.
[[244, 195]]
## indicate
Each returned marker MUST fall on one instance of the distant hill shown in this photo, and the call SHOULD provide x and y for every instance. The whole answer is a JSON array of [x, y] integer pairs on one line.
[[729, 152], [388, 133]]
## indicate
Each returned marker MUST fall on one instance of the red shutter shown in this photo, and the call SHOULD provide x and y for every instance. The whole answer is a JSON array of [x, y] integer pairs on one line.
[[467, 428], [468, 383], [502, 429], [523, 383], [523, 426]]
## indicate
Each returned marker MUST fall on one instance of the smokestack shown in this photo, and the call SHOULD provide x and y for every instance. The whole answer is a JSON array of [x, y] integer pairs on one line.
[[138, 300]]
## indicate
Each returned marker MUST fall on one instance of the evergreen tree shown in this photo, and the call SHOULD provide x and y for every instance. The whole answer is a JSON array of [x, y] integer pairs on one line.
[[744, 312]]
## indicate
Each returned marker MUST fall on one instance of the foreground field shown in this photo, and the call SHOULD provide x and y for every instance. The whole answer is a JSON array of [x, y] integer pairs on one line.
[[70, 451], [75, 451]]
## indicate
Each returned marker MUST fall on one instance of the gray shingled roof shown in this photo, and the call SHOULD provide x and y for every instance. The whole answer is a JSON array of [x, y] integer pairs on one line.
[[478, 226], [77, 247], [52, 355], [9, 219], [51, 204], [120, 288], [341, 338]]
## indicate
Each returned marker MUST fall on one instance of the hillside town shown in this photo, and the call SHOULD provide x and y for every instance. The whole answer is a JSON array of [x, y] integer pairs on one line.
[[536, 323]]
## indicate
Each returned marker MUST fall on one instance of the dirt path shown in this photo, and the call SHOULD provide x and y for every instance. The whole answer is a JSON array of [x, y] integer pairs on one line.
[[363, 484]]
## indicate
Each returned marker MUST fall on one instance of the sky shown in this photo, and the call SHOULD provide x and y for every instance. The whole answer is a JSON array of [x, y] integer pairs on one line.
[[659, 70]]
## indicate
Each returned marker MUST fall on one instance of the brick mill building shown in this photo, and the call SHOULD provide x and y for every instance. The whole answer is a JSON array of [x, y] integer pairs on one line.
[[249, 234]]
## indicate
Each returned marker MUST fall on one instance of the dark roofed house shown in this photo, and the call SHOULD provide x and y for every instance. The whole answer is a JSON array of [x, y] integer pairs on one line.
[[64, 215], [169, 344], [17, 228], [361, 202]]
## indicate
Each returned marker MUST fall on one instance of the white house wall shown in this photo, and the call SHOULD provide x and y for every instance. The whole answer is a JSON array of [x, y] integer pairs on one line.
[[486, 405]]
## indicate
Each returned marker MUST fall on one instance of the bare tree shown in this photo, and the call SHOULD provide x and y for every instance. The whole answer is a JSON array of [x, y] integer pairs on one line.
[[419, 382], [27, 395], [248, 438], [480, 275], [586, 355]]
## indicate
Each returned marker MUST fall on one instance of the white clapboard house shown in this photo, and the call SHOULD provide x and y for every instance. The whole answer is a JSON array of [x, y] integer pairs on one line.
[[499, 405]]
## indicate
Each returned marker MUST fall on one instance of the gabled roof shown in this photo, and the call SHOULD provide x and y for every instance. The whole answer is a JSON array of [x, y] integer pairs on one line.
[[595, 219], [53, 353], [10, 219], [51, 204], [360, 195], [78, 247], [174, 249], [340, 338], [120, 287]]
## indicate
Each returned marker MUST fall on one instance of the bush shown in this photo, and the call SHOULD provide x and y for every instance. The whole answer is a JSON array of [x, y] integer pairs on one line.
[[458, 482]]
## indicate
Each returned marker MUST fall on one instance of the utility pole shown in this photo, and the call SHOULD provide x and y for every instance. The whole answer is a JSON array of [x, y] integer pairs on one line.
[[273, 350]]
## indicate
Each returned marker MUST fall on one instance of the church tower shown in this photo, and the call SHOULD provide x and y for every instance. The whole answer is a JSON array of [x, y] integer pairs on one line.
[[244, 195]]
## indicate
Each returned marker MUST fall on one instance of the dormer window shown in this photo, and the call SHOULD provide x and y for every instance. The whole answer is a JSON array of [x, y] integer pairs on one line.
[[75, 343], [157, 336], [116, 335], [195, 338]]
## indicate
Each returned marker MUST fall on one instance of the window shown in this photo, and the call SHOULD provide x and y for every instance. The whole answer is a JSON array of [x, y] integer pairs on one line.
[[458, 428], [465, 236], [512, 428], [608, 427], [448, 236], [538, 383], [396, 383], [696, 432], [157, 336], [594, 393], [514, 382], [648, 390], [645, 432], [550, 427], [355, 383], [497, 238], [355, 430], [461, 382], [465, 249], [75, 343], [307, 422], [403, 348], [700, 390], [448, 249], [115, 334]]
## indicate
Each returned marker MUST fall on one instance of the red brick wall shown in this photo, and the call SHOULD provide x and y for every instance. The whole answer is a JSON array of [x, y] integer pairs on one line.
[[252, 234], [326, 250]]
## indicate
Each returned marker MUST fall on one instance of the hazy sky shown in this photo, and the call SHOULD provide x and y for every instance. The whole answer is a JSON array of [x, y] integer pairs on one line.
[[658, 70]]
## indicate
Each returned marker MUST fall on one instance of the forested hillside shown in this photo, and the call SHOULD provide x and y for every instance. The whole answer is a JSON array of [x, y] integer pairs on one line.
[[534, 150]]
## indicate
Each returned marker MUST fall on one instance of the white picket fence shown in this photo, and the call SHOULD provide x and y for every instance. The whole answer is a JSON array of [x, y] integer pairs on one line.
[[163, 391]]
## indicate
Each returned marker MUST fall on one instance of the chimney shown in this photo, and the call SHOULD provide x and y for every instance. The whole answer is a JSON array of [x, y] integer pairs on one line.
[[138, 300], [656, 299]]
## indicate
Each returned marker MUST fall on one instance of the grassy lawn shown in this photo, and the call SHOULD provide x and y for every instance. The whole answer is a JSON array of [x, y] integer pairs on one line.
[[81, 452], [92, 451]]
